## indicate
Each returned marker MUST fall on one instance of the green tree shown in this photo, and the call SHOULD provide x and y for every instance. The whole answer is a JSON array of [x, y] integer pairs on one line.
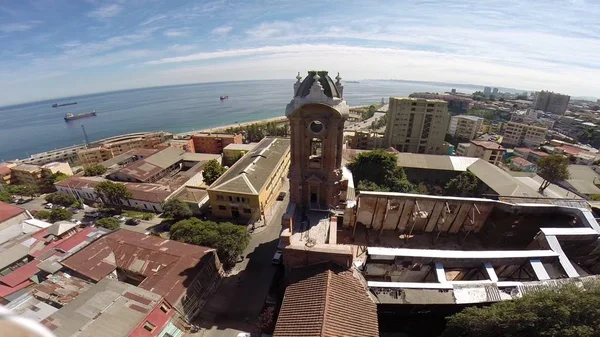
[[228, 239], [465, 184], [60, 214], [552, 169], [6, 197], [43, 214], [52, 179], [212, 171], [112, 193], [595, 197], [23, 190], [94, 170], [108, 223], [365, 185], [569, 311], [60, 199], [378, 169], [176, 209]]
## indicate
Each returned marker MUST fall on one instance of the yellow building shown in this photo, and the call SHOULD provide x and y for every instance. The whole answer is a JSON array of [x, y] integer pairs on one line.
[[26, 174], [233, 152], [517, 134], [252, 184], [5, 173], [108, 148]]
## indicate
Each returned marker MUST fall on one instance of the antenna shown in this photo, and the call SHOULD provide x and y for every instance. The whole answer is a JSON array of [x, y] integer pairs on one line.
[[87, 141]]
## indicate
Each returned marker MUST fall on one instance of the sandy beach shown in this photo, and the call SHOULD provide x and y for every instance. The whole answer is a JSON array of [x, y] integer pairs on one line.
[[221, 128]]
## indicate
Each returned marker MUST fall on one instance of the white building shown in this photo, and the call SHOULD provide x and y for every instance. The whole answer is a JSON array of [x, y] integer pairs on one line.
[[465, 126]]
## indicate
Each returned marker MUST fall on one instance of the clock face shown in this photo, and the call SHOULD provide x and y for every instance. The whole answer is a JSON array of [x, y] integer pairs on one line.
[[316, 127]]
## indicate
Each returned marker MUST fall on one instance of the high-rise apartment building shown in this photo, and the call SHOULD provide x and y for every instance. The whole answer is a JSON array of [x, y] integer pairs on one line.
[[517, 134], [551, 102], [465, 126], [417, 125], [495, 91], [487, 91]]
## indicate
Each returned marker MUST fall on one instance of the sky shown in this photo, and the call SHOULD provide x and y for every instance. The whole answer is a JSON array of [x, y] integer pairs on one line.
[[59, 48]]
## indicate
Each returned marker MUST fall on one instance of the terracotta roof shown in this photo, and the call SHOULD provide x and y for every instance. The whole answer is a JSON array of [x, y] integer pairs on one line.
[[326, 302], [8, 211], [521, 162], [165, 264]]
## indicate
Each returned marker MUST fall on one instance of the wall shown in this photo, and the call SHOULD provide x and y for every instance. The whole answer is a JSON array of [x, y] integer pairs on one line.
[[214, 143], [248, 205], [14, 220], [201, 287]]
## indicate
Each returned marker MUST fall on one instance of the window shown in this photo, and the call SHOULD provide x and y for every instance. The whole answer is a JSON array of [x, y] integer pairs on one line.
[[316, 146], [247, 210], [230, 198], [164, 307], [237, 199], [149, 326], [222, 208], [220, 197]]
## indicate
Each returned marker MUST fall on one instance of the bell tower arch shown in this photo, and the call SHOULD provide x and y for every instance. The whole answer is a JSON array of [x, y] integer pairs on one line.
[[317, 114]]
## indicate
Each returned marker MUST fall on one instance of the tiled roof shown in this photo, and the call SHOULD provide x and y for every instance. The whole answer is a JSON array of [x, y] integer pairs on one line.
[[326, 302], [8, 211], [165, 264]]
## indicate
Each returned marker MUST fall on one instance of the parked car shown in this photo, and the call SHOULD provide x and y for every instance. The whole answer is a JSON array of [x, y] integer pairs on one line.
[[48, 206], [244, 334], [281, 196], [92, 214], [119, 217], [75, 221], [20, 201], [73, 210], [277, 257], [133, 222]]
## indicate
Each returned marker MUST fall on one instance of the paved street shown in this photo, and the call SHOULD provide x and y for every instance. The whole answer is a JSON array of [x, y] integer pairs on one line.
[[234, 308]]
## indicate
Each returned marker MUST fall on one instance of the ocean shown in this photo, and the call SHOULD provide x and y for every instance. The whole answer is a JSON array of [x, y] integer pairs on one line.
[[36, 127]]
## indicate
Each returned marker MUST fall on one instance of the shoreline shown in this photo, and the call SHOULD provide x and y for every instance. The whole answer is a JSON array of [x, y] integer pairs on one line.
[[223, 127]]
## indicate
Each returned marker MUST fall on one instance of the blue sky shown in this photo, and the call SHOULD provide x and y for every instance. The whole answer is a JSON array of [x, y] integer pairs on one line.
[[56, 48]]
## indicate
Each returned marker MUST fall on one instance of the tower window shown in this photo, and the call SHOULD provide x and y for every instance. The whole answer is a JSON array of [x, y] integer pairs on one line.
[[316, 146], [316, 127]]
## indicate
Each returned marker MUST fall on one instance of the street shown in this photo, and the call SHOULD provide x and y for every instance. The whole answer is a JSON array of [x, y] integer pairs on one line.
[[232, 308]]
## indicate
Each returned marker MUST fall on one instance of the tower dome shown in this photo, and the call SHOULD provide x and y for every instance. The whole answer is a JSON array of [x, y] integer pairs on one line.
[[329, 88]]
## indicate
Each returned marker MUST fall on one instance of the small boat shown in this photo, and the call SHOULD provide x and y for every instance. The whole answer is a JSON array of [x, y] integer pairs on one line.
[[224, 97], [56, 105], [70, 116]]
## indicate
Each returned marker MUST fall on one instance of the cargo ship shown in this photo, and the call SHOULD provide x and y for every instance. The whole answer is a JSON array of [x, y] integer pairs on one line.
[[56, 105], [224, 97], [70, 116]]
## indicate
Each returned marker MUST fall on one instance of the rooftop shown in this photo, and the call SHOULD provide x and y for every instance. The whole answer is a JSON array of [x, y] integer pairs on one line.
[[521, 161], [8, 211], [251, 172], [487, 145], [240, 147], [27, 168], [108, 309], [164, 264], [471, 117], [326, 301], [148, 167], [329, 88]]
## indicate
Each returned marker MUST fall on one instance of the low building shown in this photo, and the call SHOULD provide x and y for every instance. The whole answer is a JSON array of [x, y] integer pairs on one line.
[[529, 154], [517, 134], [186, 144], [465, 126], [249, 187], [583, 180], [66, 154], [112, 308], [108, 148], [183, 274], [5, 173], [152, 168], [57, 167], [12, 215], [31, 174], [214, 142], [521, 164], [233, 152], [489, 151], [326, 300]]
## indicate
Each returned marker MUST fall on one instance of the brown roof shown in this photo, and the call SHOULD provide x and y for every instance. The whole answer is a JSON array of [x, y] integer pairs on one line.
[[165, 264], [326, 302], [521, 161], [8, 211], [487, 145]]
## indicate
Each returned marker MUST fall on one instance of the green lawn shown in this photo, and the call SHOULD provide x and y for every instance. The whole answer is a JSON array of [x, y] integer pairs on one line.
[[139, 215]]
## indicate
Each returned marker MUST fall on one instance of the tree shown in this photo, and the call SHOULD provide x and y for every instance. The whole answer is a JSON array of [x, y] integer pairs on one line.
[[569, 311], [43, 214], [465, 184], [176, 209], [94, 170], [228, 239], [552, 169], [112, 193], [212, 171], [23, 190], [60, 214], [52, 179], [6, 197], [378, 169], [108, 223], [60, 199], [266, 321]]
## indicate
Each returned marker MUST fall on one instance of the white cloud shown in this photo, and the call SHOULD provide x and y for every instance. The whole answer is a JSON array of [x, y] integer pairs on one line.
[[223, 30], [18, 27], [106, 12], [176, 32]]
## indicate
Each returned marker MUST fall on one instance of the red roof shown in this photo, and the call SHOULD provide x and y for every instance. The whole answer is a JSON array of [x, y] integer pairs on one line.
[[21, 274], [156, 317], [165, 264], [521, 161], [4, 170], [8, 211], [6, 290], [523, 149]]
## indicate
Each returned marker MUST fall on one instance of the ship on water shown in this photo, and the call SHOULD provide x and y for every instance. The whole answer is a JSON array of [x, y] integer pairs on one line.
[[70, 116], [56, 105]]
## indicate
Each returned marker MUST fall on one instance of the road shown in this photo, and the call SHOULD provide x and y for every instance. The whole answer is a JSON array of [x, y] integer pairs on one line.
[[233, 309]]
